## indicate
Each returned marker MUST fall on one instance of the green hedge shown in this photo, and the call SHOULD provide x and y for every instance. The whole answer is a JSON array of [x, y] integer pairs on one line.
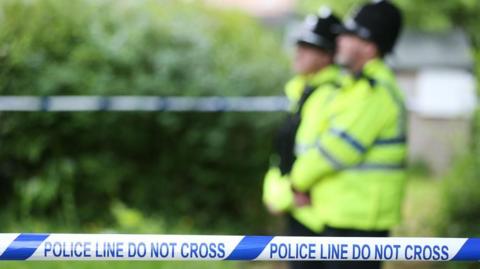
[[461, 191], [201, 170]]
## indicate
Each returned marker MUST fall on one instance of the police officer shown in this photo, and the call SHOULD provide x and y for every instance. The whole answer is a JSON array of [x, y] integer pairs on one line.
[[311, 91], [355, 173]]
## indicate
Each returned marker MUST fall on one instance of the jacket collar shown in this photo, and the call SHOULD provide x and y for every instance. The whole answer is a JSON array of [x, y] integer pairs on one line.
[[295, 87]]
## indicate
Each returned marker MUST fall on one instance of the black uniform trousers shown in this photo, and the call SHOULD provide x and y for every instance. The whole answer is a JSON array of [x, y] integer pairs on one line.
[[297, 229]]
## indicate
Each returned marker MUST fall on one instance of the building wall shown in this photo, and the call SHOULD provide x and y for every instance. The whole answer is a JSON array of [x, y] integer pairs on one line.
[[432, 140], [437, 142]]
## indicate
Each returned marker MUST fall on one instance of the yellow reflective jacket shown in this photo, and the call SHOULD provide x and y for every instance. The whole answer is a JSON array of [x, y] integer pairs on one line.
[[355, 168], [277, 192]]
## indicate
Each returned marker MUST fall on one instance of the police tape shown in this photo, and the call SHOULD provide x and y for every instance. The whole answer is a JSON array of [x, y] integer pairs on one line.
[[197, 247], [143, 103]]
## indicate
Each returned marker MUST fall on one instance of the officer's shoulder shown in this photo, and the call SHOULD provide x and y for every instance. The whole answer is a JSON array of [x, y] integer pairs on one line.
[[378, 74], [383, 82]]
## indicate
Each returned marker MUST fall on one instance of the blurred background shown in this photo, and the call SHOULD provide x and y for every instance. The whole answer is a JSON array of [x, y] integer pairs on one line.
[[201, 173]]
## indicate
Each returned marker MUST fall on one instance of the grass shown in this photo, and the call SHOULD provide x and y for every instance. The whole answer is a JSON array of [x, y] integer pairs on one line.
[[420, 214]]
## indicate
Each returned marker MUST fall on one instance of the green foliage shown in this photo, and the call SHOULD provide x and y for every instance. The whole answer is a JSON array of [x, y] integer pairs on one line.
[[461, 191], [339, 7], [462, 206], [79, 169], [460, 196]]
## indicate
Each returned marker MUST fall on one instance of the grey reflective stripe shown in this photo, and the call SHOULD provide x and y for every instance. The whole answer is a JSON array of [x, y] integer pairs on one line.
[[391, 141], [332, 160], [302, 148], [349, 139], [379, 166], [362, 166]]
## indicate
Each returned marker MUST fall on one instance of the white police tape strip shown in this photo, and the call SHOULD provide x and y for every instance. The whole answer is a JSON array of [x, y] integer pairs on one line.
[[143, 103], [196, 247]]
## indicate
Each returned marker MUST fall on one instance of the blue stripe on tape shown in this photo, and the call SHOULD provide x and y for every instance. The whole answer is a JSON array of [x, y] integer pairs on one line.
[[221, 104], [249, 248], [160, 104], [104, 104], [470, 251], [23, 246], [45, 103]]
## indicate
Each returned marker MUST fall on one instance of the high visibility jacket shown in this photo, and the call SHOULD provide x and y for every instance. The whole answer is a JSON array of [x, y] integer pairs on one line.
[[355, 169], [308, 97]]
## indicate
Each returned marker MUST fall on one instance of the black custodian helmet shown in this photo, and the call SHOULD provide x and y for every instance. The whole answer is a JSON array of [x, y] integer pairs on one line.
[[379, 22], [320, 30]]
